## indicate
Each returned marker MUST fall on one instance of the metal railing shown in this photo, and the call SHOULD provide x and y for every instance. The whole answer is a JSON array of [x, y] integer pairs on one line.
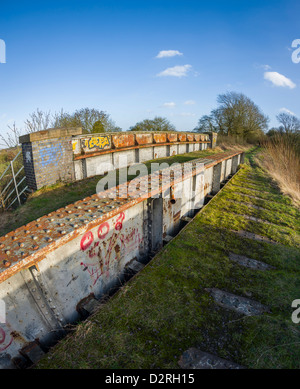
[[12, 185]]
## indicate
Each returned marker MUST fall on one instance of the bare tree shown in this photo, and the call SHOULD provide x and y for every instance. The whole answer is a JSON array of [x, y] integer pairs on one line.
[[38, 121], [236, 115], [289, 123], [90, 119], [11, 139]]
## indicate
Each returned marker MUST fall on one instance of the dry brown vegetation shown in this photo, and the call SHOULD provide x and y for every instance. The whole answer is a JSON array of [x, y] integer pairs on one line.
[[281, 158], [230, 143]]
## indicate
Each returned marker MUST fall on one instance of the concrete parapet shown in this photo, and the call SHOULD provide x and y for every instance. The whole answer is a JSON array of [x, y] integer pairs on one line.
[[53, 154]]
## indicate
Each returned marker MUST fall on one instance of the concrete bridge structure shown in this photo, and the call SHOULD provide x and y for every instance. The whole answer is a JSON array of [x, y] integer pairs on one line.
[[68, 155], [56, 269]]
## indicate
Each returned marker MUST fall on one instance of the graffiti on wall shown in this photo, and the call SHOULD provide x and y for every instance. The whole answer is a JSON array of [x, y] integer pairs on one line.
[[5, 340], [105, 252], [51, 154], [98, 142], [74, 144]]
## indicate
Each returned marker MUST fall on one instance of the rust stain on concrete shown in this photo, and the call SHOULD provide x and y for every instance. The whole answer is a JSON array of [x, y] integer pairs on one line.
[[124, 140], [160, 138], [172, 137], [143, 139]]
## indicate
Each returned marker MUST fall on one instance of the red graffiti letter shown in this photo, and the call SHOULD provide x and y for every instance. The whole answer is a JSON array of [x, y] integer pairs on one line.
[[120, 219], [103, 230], [2, 340], [87, 240]]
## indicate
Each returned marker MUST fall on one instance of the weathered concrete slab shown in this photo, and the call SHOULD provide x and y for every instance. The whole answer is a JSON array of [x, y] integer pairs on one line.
[[33, 352], [167, 239], [249, 205], [135, 266], [89, 306], [194, 358], [253, 218], [236, 303], [250, 196], [249, 262], [257, 198], [50, 133], [186, 219], [251, 188], [252, 236]]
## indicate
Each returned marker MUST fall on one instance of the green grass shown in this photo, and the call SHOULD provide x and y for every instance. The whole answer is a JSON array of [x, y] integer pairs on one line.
[[49, 199], [165, 309]]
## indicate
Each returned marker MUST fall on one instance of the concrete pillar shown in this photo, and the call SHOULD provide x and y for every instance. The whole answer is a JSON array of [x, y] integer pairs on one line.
[[216, 180], [242, 158], [156, 224], [234, 164], [213, 139], [48, 156]]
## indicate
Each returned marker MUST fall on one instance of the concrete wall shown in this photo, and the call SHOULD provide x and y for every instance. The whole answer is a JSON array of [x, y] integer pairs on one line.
[[48, 157], [51, 266], [67, 155], [91, 151]]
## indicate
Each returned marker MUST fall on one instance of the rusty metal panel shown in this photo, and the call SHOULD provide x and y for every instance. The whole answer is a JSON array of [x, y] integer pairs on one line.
[[123, 140], [190, 137], [96, 143], [182, 137], [160, 138], [197, 137], [172, 137], [144, 139]]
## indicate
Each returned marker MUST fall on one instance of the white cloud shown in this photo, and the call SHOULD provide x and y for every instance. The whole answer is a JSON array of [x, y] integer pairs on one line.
[[176, 71], [189, 102], [285, 110], [278, 79], [168, 53], [169, 105], [266, 67]]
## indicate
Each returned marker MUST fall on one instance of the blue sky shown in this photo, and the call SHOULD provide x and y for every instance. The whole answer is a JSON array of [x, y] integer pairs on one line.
[[103, 54]]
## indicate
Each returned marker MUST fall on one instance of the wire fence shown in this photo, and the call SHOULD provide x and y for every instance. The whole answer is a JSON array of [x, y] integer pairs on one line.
[[13, 188]]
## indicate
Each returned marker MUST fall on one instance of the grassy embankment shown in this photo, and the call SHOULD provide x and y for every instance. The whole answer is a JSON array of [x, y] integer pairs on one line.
[[179, 313], [53, 197]]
